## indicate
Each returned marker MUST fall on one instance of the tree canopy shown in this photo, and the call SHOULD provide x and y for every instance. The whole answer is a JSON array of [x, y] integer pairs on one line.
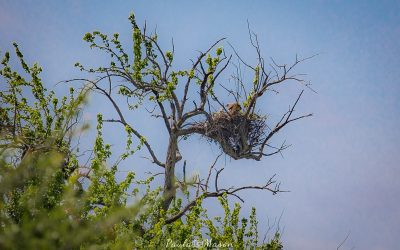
[[50, 198]]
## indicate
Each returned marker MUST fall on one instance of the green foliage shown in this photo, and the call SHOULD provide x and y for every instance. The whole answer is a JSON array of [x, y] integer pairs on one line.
[[48, 200], [98, 217], [34, 121], [144, 67], [30, 117]]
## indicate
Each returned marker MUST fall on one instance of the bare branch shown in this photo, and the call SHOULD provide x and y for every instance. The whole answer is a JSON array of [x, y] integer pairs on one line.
[[198, 61], [220, 192], [123, 121]]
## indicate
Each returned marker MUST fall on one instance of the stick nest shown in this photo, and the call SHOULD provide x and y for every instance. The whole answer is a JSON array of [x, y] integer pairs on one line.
[[237, 135]]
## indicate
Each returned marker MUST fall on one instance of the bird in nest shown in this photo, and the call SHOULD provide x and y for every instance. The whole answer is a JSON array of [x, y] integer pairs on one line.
[[234, 108]]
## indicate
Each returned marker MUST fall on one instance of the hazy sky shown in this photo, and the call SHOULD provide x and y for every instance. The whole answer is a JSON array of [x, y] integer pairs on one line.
[[342, 169]]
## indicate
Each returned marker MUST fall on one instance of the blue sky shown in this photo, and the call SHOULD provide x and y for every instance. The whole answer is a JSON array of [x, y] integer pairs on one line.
[[342, 169]]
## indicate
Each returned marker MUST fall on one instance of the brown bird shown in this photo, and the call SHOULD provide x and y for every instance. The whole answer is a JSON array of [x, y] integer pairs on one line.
[[234, 108]]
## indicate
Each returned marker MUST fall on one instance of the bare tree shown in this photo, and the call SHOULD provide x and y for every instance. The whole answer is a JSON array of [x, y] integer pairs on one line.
[[239, 130]]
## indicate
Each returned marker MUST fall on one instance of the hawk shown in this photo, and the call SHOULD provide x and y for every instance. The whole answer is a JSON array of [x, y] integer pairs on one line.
[[233, 108]]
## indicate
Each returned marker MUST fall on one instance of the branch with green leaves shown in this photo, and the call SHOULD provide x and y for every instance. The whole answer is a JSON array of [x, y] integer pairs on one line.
[[188, 100]]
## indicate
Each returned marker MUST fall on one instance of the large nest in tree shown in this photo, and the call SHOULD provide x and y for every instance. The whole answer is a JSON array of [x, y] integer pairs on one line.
[[238, 135]]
